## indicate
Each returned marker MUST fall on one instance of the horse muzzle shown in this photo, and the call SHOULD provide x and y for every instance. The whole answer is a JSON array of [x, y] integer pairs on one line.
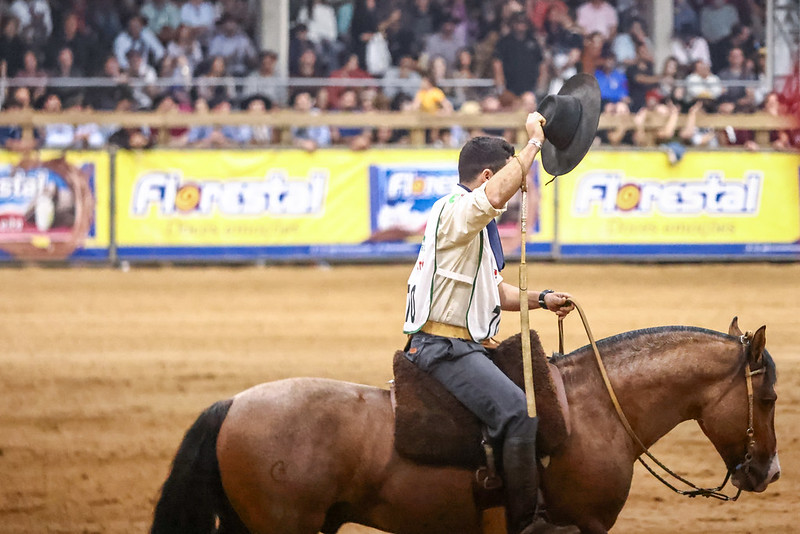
[[757, 479]]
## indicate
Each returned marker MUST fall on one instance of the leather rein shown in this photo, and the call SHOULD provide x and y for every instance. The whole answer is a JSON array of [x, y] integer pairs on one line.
[[715, 493]]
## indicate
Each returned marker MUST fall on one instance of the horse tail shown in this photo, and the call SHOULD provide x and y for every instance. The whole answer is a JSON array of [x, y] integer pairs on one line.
[[192, 499]]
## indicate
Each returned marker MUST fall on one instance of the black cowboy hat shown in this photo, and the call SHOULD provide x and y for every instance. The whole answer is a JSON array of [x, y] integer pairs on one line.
[[572, 117]]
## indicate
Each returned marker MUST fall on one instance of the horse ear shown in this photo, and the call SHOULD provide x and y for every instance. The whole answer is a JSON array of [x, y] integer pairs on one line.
[[757, 344], [733, 329]]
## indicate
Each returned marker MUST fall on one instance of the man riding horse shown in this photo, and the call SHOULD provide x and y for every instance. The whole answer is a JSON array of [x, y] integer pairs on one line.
[[456, 292]]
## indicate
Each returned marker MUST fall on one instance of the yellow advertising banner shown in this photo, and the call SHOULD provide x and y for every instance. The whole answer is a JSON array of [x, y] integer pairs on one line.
[[707, 198], [54, 205]]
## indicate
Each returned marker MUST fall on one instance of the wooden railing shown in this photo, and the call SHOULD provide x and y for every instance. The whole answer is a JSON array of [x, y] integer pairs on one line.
[[416, 122]]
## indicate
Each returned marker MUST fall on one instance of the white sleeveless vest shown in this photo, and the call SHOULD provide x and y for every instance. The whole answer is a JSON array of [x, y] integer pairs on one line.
[[482, 311]]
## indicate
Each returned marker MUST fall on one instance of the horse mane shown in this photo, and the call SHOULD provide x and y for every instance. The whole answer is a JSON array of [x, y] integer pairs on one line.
[[613, 342]]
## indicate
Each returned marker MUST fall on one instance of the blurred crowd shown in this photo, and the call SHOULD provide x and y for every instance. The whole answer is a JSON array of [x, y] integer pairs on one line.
[[437, 56]]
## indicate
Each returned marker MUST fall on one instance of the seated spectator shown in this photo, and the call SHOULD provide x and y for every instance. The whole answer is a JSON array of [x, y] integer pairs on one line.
[[401, 79], [613, 82], [693, 135], [59, 136], [307, 67], [703, 85], [12, 137], [737, 97], [163, 18], [431, 99], [308, 138], [66, 69], [625, 44], [35, 21], [688, 47], [200, 16], [350, 70], [641, 78], [539, 11], [356, 138], [741, 37], [465, 71], [423, 18], [129, 137], [225, 136], [780, 139], [670, 73], [183, 54], [87, 135], [685, 15], [143, 77], [35, 77], [265, 80], [621, 134], [138, 37], [299, 44], [105, 98], [12, 47], [597, 16], [167, 104], [256, 105], [234, 46], [562, 34], [518, 58], [717, 19], [592, 55], [104, 18], [81, 44], [214, 84], [445, 43]]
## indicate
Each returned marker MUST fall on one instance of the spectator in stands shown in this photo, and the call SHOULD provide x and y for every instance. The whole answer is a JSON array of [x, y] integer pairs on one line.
[[518, 58], [684, 14], [140, 38], [539, 11], [780, 139], [308, 138], [35, 77], [55, 135], [562, 34], [214, 84], [105, 20], [670, 73], [184, 53], [12, 48], [592, 55], [367, 22], [232, 44], [350, 70], [464, 70], [717, 20], [620, 134], [431, 99], [320, 19], [355, 138], [741, 37], [106, 97], [299, 43], [163, 18], [641, 78], [738, 97], [217, 136], [625, 43], [424, 17], [688, 47], [35, 21], [563, 66], [307, 67], [81, 43], [703, 85], [12, 137], [693, 135], [65, 68], [89, 135], [264, 81], [401, 79], [129, 137], [261, 135], [445, 43], [200, 16], [139, 71], [598, 16], [401, 39], [613, 81]]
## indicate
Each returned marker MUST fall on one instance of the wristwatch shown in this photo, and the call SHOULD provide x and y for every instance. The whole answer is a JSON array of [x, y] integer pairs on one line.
[[542, 303]]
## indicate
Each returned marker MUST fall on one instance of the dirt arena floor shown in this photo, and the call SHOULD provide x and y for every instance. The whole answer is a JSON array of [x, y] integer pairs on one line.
[[102, 371]]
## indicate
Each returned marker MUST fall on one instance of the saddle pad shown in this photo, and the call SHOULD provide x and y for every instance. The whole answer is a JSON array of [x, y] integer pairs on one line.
[[433, 427]]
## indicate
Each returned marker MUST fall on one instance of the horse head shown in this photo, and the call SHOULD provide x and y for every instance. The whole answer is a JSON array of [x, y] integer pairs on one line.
[[740, 420]]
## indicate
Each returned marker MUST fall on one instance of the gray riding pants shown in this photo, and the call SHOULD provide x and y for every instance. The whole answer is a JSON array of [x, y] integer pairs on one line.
[[465, 370]]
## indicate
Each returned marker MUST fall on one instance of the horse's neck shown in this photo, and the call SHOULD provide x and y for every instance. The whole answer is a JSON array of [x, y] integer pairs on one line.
[[659, 383]]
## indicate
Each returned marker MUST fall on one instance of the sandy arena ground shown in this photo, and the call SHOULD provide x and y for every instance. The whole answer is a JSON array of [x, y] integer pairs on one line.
[[102, 371]]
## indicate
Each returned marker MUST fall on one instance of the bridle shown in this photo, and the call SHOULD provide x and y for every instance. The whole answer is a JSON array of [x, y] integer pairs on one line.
[[695, 490]]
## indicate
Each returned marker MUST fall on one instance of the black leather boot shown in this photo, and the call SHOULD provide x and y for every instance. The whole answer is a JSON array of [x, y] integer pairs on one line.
[[521, 479]]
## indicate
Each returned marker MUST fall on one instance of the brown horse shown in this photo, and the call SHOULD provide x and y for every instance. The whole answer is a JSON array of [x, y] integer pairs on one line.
[[304, 455]]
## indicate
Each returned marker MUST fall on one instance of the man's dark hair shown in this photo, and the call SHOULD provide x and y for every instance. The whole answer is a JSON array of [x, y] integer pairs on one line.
[[482, 153]]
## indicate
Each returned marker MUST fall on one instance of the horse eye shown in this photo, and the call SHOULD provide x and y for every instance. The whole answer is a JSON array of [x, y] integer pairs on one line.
[[767, 403]]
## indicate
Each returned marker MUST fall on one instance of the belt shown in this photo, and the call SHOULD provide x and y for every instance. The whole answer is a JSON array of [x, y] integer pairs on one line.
[[445, 330]]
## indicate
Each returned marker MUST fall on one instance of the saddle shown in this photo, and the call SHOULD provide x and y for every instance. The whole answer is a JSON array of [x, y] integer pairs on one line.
[[433, 427]]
